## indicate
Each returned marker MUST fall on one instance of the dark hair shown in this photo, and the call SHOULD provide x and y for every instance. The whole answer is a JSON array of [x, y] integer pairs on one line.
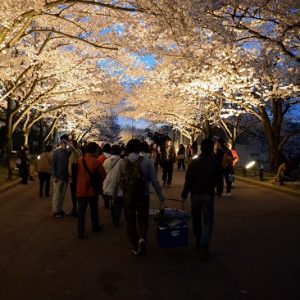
[[91, 147], [207, 146], [106, 148], [64, 137], [133, 146], [48, 148], [145, 147], [221, 141], [115, 150]]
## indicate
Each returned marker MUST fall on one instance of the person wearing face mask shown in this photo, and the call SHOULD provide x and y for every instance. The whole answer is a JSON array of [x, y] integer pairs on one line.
[[60, 176]]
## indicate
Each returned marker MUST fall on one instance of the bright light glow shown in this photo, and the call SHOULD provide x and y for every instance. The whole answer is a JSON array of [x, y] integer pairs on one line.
[[250, 164], [195, 156], [39, 157]]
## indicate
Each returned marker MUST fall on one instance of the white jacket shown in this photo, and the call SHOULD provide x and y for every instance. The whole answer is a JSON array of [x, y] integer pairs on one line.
[[111, 175]]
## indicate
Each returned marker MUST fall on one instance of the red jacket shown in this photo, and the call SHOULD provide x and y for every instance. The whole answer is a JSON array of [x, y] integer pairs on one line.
[[84, 185]]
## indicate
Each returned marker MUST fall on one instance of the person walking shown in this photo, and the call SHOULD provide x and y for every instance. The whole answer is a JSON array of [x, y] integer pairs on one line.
[[235, 157], [154, 153], [60, 176], [23, 164], [72, 169], [168, 158], [181, 157], [102, 157], [90, 178], [189, 153], [43, 168], [225, 160], [134, 175], [201, 180], [116, 206]]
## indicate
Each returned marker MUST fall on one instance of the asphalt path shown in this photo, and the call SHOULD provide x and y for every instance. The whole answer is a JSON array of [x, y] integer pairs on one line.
[[255, 252]]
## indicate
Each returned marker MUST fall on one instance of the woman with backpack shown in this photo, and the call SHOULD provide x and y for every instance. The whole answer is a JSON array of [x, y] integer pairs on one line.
[[225, 159]]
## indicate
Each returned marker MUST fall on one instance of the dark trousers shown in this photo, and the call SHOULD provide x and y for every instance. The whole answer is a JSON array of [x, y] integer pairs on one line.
[[116, 209], [220, 183], [44, 179], [203, 218], [228, 179], [181, 164], [73, 197], [82, 206], [167, 172], [137, 218], [24, 172], [106, 199]]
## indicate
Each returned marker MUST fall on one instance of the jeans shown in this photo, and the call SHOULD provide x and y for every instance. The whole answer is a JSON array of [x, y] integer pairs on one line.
[[203, 218], [136, 213], [44, 179], [59, 192], [82, 206]]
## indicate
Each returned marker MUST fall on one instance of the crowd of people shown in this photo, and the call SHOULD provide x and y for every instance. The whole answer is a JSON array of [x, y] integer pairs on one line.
[[123, 177]]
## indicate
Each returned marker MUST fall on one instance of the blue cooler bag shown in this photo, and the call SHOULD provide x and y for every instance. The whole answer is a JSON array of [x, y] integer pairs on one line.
[[172, 228]]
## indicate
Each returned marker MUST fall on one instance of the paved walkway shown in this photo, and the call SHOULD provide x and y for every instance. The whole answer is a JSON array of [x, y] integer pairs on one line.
[[255, 252]]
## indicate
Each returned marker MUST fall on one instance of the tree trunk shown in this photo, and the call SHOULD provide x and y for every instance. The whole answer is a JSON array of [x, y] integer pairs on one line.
[[272, 132], [8, 138]]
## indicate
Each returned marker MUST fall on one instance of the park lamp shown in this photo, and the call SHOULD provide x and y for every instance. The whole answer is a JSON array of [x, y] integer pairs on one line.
[[250, 165]]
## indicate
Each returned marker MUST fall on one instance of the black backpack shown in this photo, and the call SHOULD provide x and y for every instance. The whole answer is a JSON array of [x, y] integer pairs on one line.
[[133, 181]]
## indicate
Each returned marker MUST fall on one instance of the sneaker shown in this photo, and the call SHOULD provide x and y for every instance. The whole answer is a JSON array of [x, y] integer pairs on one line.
[[57, 215], [142, 247], [135, 252], [226, 195], [72, 214]]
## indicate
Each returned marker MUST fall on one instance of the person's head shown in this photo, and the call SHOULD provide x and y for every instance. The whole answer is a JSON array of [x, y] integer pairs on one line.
[[64, 140], [145, 147], [168, 143], [221, 142], [74, 143], [133, 146], [207, 146], [91, 148], [115, 150], [106, 148], [153, 146], [48, 148]]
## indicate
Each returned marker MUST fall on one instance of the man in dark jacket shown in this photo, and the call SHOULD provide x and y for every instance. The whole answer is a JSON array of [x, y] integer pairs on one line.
[[201, 180], [60, 176]]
